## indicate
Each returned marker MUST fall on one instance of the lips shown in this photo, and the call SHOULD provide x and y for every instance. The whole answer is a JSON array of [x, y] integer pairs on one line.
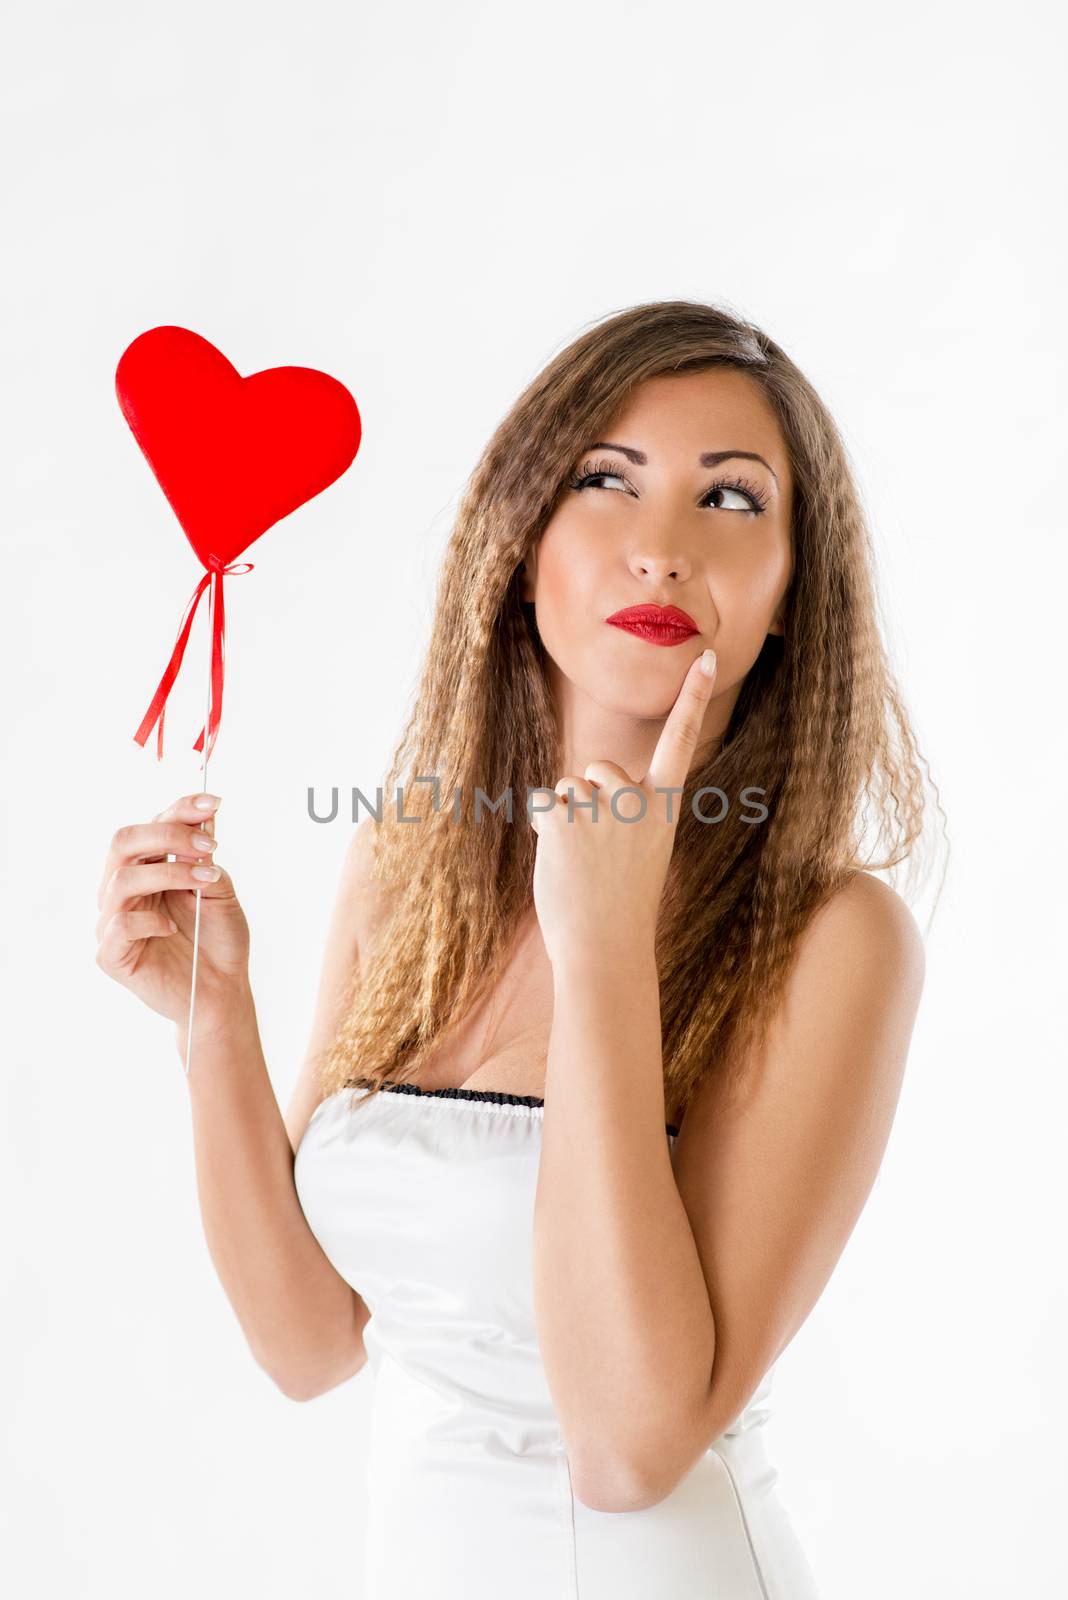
[[658, 624]]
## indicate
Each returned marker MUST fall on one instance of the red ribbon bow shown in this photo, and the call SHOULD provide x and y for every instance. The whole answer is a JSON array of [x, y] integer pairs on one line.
[[156, 710]]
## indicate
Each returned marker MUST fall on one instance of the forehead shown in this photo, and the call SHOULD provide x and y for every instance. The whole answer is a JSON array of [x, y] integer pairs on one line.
[[683, 414]]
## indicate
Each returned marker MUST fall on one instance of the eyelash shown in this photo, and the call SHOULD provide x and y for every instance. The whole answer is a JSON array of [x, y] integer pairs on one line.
[[610, 469]]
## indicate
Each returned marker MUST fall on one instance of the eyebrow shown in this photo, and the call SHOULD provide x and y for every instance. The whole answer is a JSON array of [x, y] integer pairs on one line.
[[710, 458]]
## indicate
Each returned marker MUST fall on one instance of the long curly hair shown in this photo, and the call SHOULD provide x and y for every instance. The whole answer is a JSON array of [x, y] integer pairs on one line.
[[819, 725]]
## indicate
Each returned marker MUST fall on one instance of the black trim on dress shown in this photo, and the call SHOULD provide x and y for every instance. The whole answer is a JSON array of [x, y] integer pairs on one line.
[[496, 1096]]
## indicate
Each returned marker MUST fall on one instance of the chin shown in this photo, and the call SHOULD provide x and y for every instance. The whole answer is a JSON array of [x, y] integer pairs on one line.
[[648, 688], [631, 695]]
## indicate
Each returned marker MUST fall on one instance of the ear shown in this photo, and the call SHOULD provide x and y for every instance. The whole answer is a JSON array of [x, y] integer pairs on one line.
[[528, 570], [777, 623]]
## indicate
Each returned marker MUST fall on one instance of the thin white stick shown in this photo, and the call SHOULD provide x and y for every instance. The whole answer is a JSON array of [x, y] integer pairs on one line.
[[204, 790]]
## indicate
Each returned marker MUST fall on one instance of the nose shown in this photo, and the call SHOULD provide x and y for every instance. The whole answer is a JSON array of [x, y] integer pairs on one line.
[[646, 564]]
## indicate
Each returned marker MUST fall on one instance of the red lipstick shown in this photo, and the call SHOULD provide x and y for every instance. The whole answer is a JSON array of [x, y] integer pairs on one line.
[[657, 624]]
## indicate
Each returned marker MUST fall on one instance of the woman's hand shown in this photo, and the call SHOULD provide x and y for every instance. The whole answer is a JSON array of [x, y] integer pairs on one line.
[[599, 876], [141, 893]]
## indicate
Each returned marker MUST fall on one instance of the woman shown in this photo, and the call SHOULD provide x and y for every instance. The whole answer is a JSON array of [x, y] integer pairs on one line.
[[610, 1037]]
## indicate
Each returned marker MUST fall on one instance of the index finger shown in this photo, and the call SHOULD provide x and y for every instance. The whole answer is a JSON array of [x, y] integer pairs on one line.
[[679, 735]]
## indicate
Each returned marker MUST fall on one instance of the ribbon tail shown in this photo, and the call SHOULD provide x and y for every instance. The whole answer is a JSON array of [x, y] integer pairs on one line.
[[218, 650], [159, 699]]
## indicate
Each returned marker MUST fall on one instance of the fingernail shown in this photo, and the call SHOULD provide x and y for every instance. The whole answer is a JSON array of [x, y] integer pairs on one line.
[[204, 841], [206, 802], [207, 874], [708, 662]]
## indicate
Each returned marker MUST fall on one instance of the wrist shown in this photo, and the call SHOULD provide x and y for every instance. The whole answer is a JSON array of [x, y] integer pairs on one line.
[[221, 1018], [623, 959]]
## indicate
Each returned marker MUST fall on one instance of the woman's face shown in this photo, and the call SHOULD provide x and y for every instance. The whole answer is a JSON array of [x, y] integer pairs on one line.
[[658, 527]]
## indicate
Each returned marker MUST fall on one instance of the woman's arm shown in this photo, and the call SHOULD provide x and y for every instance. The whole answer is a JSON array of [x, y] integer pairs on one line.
[[304, 1323], [624, 1322], [664, 1292]]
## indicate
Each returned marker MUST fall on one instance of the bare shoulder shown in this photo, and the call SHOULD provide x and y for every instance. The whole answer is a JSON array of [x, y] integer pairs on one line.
[[359, 856], [365, 895], [846, 1013], [359, 908], [864, 924], [851, 997]]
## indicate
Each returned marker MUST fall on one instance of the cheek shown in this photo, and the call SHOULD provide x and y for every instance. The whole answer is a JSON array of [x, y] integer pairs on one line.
[[750, 583], [573, 594], [570, 580], [746, 591]]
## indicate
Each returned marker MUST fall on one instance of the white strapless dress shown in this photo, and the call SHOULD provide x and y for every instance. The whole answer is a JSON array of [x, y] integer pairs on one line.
[[424, 1203]]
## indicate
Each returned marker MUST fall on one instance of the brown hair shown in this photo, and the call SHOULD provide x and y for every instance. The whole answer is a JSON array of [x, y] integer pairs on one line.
[[819, 725]]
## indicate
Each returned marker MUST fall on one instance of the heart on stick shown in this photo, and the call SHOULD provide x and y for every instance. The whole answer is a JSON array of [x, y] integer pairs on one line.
[[233, 456]]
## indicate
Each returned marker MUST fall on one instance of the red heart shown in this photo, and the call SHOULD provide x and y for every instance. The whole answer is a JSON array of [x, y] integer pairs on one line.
[[233, 455]]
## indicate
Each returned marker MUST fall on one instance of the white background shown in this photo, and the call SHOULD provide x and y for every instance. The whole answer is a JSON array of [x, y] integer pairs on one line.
[[429, 201]]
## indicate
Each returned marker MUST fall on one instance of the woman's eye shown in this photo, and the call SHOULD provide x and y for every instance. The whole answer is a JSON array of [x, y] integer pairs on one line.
[[742, 501], [588, 478]]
